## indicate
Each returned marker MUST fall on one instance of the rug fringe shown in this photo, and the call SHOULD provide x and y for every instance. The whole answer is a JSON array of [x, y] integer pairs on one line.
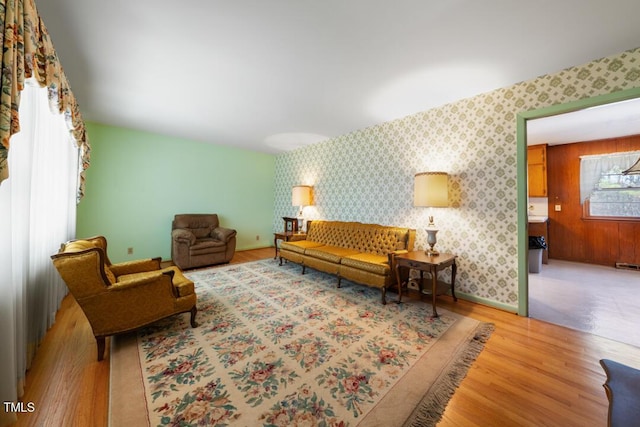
[[431, 408]]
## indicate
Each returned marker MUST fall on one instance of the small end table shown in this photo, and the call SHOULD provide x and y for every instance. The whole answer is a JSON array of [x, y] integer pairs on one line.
[[418, 260]]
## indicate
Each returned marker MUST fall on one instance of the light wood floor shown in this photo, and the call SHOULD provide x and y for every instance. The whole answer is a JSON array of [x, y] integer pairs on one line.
[[530, 373]]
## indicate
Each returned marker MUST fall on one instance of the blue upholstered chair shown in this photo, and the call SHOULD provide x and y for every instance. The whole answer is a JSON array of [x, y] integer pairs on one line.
[[623, 391]]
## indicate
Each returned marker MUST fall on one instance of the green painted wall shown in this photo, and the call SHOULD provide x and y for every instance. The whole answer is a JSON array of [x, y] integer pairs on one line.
[[138, 181]]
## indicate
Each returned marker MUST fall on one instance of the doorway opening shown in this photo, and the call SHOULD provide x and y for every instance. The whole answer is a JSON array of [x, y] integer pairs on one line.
[[559, 273]]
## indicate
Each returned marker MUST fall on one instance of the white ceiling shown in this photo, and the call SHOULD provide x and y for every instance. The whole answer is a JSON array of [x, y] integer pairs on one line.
[[590, 124], [274, 75]]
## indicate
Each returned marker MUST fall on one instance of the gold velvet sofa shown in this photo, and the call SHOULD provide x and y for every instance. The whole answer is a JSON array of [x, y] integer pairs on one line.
[[121, 297], [362, 253]]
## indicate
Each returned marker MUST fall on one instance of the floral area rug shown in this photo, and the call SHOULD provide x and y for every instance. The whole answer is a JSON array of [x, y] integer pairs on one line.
[[278, 348]]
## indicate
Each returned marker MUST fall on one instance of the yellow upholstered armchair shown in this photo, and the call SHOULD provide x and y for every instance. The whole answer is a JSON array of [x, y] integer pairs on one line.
[[121, 297]]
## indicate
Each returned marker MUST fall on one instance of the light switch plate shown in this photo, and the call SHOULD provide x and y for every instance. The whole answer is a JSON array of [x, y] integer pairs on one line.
[[558, 208]]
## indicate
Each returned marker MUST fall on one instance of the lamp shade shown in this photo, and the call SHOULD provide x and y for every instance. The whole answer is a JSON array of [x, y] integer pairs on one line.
[[301, 195], [431, 189]]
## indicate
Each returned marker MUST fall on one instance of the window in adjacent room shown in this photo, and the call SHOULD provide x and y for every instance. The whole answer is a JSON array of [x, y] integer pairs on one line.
[[605, 193]]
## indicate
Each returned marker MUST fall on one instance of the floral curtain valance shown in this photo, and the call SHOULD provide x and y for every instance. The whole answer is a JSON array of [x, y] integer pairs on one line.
[[27, 52]]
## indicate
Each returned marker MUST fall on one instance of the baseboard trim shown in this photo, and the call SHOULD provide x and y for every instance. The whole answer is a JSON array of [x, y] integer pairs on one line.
[[494, 304]]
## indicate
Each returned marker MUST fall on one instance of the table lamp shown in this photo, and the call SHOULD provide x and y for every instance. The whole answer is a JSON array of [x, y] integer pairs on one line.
[[430, 189], [301, 196]]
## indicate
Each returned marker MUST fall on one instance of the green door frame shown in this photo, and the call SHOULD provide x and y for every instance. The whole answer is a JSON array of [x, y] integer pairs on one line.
[[523, 241]]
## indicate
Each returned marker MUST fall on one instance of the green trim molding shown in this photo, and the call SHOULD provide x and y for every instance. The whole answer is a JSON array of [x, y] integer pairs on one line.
[[553, 110]]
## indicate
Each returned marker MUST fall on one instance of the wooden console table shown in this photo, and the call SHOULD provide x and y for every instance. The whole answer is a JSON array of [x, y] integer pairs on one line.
[[418, 260]]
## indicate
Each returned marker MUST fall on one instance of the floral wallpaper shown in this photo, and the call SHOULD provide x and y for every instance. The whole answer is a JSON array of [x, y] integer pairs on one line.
[[367, 175]]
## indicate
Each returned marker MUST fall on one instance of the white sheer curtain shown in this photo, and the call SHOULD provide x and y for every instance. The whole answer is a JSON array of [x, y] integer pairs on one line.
[[38, 213], [592, 167]]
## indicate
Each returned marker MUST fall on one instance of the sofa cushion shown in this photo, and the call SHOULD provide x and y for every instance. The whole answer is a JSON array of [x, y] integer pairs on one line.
[[300, 246], [199, 224], [369, 238], [207, 246], [334, 233], [380, 240], [376, 264], [201, 231], [181, 284], [330, 253]]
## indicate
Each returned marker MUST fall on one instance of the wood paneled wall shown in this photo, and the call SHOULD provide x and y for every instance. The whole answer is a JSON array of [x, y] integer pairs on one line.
[[570, 237]]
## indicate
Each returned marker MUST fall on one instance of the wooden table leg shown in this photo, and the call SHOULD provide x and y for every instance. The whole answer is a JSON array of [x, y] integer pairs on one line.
[[399, 283], [454, 269], [434, 289], [275, 245]]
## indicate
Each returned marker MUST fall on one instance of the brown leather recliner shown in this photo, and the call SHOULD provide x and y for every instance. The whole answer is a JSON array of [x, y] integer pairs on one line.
[[198, 240], [121, 297]]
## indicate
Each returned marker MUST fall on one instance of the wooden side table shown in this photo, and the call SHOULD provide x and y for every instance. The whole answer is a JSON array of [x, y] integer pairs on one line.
[[418, 260], [286, 236]]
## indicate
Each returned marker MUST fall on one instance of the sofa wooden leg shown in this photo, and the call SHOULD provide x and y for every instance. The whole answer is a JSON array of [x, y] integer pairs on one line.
[[100, 341], [384, 296], [280, 260], [194, 311], [304, 268], [339, 282]]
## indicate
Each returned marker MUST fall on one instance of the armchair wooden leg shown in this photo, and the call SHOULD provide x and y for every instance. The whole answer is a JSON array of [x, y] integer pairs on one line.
[[194, 310], [100, 341], [384, 296]]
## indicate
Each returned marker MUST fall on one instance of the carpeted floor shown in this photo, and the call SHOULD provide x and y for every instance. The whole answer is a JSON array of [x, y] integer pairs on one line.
[[275, 347]]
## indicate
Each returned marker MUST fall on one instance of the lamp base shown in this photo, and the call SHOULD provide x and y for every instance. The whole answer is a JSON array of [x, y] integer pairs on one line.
[[431, 240], [431, 252]]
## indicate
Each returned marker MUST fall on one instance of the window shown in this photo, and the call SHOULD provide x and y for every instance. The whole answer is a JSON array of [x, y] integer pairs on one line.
[[604, 191]]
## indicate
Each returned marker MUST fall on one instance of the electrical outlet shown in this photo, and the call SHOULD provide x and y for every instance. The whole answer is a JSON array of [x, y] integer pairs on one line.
[[129, 251], [558, 208]]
